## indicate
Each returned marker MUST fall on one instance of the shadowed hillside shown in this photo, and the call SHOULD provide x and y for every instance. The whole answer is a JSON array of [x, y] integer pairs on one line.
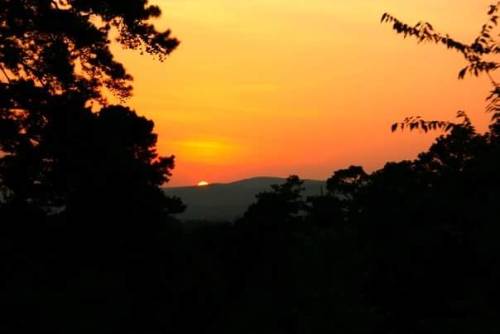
[[230, 200]]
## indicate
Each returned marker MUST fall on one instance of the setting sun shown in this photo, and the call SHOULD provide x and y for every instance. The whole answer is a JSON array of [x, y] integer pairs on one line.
[[202, 184]]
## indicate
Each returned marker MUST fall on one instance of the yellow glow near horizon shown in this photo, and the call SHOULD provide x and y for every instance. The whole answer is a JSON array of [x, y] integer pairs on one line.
[[213, 152], [273, 87], [202, 184]]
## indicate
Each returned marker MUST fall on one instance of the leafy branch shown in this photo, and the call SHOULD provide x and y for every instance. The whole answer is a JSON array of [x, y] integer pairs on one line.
[[418, 123], [480, 56]]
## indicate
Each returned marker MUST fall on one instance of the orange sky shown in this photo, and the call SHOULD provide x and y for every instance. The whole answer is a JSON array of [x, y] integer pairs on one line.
[[274, 87]]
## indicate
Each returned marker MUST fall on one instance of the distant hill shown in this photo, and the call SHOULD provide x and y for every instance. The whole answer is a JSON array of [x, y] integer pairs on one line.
[[230, 200]]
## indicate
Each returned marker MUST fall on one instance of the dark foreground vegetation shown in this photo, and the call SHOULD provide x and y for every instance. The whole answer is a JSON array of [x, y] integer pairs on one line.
[[89, 242]]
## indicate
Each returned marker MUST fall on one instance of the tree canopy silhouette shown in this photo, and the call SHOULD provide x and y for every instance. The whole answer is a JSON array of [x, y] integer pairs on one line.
[[282, 204], [64, 45], [58, 136], [83, 233]]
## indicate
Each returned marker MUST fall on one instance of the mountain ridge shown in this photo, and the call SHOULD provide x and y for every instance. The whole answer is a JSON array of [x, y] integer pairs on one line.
[[228, 201]]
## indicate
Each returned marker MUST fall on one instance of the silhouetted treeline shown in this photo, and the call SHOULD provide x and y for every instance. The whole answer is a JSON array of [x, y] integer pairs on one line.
[[410, 248]]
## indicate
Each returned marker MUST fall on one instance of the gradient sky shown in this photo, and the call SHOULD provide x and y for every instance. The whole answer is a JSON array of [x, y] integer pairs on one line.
[[274, 87]]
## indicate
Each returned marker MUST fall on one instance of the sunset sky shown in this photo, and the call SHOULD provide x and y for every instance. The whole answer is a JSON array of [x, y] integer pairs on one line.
[[273, 87]]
